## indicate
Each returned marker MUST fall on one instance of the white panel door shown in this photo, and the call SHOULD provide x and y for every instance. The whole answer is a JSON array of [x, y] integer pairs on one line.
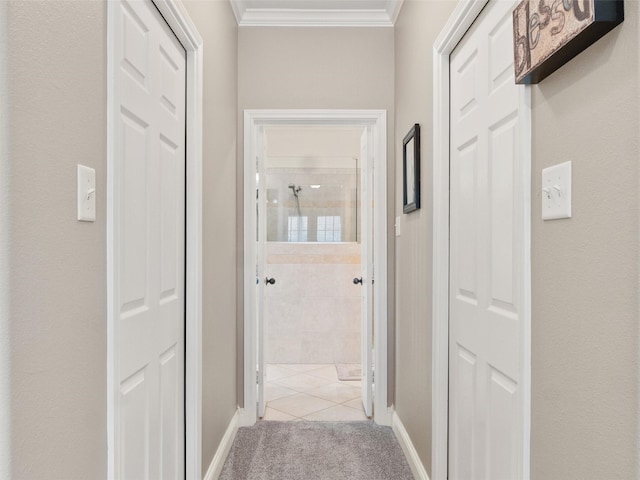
[[149, 229], [486, 354], [366, 241]]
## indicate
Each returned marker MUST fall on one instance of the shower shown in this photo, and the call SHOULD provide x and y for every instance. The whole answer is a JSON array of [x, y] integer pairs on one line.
[[296, 190]]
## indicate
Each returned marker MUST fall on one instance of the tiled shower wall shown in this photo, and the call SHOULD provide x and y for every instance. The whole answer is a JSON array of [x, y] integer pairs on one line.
[[313, 310], [336, 195]]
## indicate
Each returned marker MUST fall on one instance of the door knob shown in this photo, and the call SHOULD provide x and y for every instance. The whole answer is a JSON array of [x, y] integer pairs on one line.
[[270, 281], [357, 281]]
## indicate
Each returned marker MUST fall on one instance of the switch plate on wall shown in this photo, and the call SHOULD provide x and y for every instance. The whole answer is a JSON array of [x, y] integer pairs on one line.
[[398, 226], [556, 191], [86, 194]]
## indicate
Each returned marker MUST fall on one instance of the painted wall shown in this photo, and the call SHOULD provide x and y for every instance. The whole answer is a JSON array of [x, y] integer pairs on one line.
[[217, 26], [53, 267], [336, 68], [417, 26], [5, 257], [57, 280], [585, 269]]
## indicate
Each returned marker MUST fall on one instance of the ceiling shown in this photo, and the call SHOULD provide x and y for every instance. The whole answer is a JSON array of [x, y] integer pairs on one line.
[[316, 13]]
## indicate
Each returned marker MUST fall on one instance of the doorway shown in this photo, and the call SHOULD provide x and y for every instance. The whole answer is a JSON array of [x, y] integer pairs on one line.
[[298, 216], [313, 254]]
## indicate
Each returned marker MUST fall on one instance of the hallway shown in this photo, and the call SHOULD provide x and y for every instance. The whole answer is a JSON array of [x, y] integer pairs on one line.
[[56, 375]]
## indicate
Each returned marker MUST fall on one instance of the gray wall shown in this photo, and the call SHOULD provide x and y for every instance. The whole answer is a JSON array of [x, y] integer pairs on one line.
[[56, 298], [5, 257], [417, 26], [585, 269], [335, 68], [217, 26], [57, 290]]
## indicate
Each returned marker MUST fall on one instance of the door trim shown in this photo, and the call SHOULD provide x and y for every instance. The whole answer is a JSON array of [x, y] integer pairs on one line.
[[176, 16], [454, 30], [377, 119]]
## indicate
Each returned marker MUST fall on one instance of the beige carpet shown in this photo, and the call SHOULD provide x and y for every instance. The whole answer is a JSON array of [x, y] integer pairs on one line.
[[315, 451]]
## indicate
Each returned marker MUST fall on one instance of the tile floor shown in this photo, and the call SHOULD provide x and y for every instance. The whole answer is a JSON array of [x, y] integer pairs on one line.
[[296, 392]]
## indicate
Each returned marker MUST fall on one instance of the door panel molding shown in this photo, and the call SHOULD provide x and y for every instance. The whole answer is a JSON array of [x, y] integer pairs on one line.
[[377, 120], [177, 18], [458, 24]]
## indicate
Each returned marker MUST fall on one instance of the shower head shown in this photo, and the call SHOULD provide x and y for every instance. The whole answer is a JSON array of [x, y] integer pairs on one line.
[[295, 189]]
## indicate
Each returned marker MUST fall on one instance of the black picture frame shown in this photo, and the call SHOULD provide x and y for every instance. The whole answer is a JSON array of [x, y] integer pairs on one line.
[[543, 46], [411, 170]]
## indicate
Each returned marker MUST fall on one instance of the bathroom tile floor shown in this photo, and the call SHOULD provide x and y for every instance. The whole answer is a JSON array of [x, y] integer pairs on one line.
[[295, 392]]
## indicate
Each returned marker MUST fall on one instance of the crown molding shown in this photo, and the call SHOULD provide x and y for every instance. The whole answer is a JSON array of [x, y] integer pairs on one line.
[[305, 17]]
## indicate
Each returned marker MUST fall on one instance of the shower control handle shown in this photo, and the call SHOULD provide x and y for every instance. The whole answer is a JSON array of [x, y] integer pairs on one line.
[[357, 281], [270, 281]]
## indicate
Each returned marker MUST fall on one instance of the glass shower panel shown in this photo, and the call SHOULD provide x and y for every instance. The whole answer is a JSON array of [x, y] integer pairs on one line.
[[313, 204]]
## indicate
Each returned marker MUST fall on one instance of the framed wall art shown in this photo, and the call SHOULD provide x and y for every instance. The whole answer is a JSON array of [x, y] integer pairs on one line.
[[411, 170], [549, 33]]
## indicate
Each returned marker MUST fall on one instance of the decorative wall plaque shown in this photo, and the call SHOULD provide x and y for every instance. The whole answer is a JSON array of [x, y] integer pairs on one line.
[[549, 33]]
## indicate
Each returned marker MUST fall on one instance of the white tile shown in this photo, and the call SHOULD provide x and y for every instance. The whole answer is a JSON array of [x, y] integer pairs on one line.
[[335, 392], [319, 315], [274, 372], [302, 382], [352, 383], [273, 392], [347, 315], [355, 403], [303, 367], [285, 348], [347, 348], [316, 347], [326, 371], [300, 405], [277, 416], [338, 413]]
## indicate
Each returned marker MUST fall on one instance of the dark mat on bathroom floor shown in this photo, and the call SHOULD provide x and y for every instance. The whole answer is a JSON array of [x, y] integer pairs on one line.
[[349, 371], [316, 451]]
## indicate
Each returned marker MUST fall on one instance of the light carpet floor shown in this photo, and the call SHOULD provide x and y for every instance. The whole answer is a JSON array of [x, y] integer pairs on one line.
[[316, 451]]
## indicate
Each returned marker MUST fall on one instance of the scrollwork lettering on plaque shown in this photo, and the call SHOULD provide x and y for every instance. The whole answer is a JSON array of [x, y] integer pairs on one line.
[[548, 33]]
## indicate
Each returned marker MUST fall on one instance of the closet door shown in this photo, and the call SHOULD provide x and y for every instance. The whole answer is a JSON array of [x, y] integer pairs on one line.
[[149, 248]]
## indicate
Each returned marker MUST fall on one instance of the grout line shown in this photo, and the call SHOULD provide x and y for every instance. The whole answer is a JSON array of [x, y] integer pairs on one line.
[[310, 373], [285, 413]]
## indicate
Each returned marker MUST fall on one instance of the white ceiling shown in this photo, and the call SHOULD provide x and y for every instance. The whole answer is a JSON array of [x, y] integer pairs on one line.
[[316, 13]]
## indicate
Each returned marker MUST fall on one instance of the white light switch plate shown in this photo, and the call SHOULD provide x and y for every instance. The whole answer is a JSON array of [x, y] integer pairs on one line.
[[556, 192], [86, 194], [398, 226]]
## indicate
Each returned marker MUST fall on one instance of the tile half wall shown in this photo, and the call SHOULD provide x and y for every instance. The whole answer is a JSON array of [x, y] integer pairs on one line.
[[313, 310]]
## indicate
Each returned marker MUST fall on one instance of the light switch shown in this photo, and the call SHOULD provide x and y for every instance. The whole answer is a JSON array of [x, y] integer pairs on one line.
[[556, 191], [86, 194], [398, 226]]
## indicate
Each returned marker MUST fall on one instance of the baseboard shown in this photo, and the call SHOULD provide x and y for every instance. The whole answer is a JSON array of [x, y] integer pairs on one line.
[[415, 463], [214, 470]]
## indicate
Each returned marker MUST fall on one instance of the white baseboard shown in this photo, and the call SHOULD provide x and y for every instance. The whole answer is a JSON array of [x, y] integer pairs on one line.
[[214, 470], [415, 463]]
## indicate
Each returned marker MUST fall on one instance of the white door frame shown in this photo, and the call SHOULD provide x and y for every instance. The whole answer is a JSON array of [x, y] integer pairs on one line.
[[377, 119], [460, 21], [179, 21]]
